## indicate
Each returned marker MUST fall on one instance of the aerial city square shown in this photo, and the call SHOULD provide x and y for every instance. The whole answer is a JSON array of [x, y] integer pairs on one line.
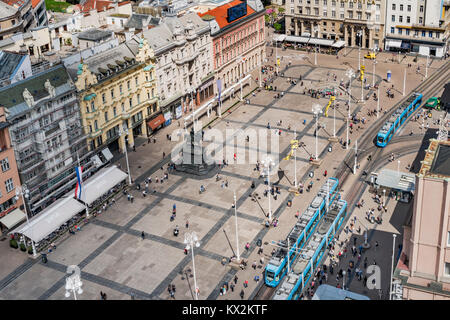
[[224, 150]]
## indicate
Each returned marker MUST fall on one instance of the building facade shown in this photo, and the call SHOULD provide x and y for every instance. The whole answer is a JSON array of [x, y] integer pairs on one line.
[[416, 26], [238, 45], [359, 23], [117, 89], [25, 9], [46, 133], [39, 12], [184, 68], [423, 270], [10, 22], [9, 177]]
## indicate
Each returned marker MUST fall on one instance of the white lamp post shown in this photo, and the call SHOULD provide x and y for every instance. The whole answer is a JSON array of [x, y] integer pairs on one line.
[[404, 82], [317, 110], [392, 270], [373, 76], [356, 156], [378, 101], [73, 283], [426, 68], [349, 74], [295, 160], [268, 163], [384, 196], [191, 240], [25, 193], [343, 279], [238, 257], [124, 131]]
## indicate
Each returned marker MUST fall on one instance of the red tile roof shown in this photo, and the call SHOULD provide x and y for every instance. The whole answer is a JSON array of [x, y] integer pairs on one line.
[[15, 3], [99, 5], [34, 3], [220, 13]]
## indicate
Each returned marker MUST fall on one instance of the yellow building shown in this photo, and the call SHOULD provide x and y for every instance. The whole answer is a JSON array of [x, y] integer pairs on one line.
[[117, 89]]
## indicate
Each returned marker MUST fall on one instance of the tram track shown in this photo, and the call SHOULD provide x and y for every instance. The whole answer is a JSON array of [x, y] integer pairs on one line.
[[432, 84]]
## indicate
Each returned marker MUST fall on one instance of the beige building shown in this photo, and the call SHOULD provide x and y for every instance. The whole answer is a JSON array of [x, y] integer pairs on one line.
[[359, 23], [423, 271], [117, 88], [9, 21]]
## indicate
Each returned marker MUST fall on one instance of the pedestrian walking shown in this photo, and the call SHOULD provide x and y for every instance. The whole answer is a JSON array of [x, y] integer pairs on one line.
[[242, 294], [254, 265], [365, 263], [245, 283], [235, 279], [232, 287], [143, 235], [187, 223], [376, 245]]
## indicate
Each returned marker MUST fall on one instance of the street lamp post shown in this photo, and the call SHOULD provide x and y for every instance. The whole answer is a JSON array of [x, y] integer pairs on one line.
[[426, 68], [25, 193], [343, 279], [267, 163], [124, 131], [356, 156], [238, 257], [191, 240], [392, 268], [73, 283], [317, 110], [349, 74], [404, 82], [378, 101], [373, 76], [295, 160], [384, 197]]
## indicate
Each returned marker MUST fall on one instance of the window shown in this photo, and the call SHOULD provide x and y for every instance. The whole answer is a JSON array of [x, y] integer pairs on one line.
[[420, 19], [96, 125], [5, 164], [409, 8], [115, 111], [103, 98], [399, 30], [392, 29], [106, 116], [407, 32], [393, 18], [430, 34], [423, 33], [333, 14], [447, 269], [393, 6], [136, 80], [401, 7], [448, 238], [350, 13], [123, 106], [9, 185], [400, 18], [408, 19], [128, 85], [138, 98], [359, 15], [112, 93], [131, 102], [421, 9], [350, 5], [120, 89]]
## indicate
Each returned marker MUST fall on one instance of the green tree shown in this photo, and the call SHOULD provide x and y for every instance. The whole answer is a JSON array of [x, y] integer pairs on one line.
[[281, 10], [267, 18], [277, 27]]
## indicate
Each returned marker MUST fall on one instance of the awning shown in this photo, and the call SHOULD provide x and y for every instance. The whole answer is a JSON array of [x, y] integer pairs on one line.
[[13, 218], [396, 180], [320, 42], [107, 154], [280, 38], [394, 43], [156, 122], [297, 39], [101, 182], [49, 220], [338, 44]]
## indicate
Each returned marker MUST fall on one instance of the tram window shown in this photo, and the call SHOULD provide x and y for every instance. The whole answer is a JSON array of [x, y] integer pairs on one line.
[[277, 278], [270, 275], [380, 139]]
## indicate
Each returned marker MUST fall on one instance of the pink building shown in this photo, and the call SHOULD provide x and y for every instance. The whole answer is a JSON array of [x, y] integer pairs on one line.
[[423, 271], [238, 36]]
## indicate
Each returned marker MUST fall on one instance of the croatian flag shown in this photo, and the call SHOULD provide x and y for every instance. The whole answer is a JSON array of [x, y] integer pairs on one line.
[[78, 188]]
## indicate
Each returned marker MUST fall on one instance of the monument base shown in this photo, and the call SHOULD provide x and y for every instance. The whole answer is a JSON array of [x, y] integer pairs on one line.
[[316, 162], [333, 139]]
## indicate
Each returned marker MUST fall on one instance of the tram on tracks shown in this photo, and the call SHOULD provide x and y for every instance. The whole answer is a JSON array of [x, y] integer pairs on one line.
[[311, 256], [397, 119], [303, 229]]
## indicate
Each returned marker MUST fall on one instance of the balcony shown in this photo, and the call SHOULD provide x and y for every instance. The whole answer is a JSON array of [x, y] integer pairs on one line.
[[94, 134]]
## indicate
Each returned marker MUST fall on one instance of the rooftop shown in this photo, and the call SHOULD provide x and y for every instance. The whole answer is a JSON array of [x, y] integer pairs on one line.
[[221, 13], [16, 3], [6, 10], [436, 163], [94, 35], [138, 21], [12, 95], [9, 61], [396, 180]]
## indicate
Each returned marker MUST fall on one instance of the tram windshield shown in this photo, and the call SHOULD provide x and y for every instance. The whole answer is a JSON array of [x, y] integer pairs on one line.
[[270, 275], [380, 139]]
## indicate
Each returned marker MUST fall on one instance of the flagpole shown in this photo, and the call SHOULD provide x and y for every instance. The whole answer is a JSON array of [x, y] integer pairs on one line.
[[81, 173]]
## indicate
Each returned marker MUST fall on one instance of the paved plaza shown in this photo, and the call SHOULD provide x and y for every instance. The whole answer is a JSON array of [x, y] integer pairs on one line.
[[110, 251]]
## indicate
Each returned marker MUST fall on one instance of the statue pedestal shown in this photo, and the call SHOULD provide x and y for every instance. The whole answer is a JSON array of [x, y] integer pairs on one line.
[[333, 139], [316, 162]]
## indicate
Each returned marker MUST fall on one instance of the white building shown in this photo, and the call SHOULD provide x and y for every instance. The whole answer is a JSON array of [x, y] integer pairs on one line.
[[416, 26], [184, 69]]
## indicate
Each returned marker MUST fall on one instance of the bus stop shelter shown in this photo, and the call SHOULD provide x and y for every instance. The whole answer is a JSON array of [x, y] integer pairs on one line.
[[401, 184]]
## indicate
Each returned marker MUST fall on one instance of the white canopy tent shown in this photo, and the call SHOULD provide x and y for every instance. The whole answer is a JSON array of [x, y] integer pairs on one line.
[[394, 43], [297, 39], [320, 42], [13, 218], [100, 183], [50, 219], [279, 38], [338, 44]]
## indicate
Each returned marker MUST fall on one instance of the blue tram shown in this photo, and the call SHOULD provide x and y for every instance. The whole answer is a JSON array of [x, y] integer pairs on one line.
[[397, 119], [311, 256], [300, 233]]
